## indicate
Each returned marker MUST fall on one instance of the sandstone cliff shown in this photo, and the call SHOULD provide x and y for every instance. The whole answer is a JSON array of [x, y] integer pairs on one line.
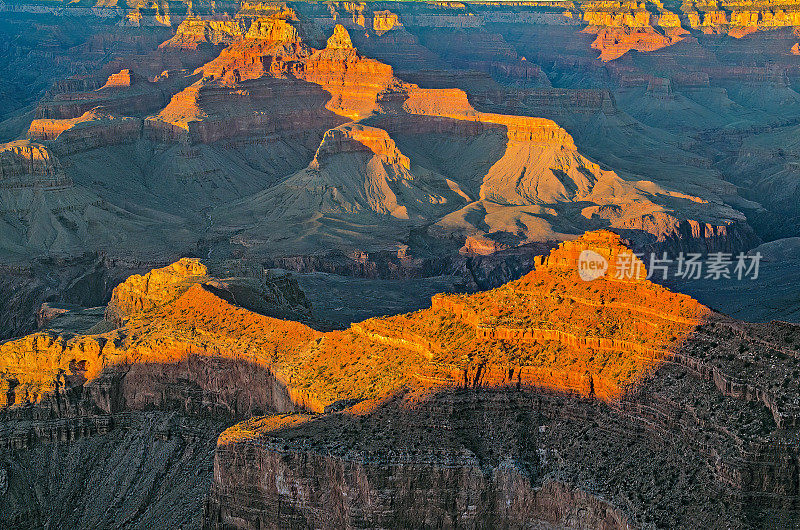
[[157, 287], [548, 355], [291, 460]]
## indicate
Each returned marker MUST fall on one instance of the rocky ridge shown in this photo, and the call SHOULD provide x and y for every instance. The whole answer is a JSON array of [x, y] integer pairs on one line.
[[550, 341], [301, 451], [363, 88], [526, 195]]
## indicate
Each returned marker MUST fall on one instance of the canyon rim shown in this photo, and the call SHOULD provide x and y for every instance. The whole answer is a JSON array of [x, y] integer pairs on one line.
[[413, 264]]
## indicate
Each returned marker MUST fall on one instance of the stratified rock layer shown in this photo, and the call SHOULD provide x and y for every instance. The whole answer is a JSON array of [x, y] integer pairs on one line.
[[552, 396], [141, 293]]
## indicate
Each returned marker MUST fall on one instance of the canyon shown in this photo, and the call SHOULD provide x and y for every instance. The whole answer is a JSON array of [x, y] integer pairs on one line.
[[197, 116], [505, 407], [315, 264]]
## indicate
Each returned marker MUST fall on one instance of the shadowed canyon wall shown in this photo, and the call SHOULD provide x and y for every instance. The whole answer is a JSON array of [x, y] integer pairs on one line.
[[521, 402]]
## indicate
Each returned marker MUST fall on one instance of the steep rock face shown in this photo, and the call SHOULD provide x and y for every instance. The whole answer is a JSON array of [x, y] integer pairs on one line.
[[271, 53], [141, 293], [531, 366], [71, 472], [340, 40], [350, 138], [614, 42], [384, 21], [275, 29], [26, 158], [630, 14], [263, 293], [660, 230], [136, 97], [625, 26], [211, 112], [645, 27], [326, 490], [473, 49], [123, 78], [355, 169], [353, 81], [251, 23], [238, 102], [273, 472], [540, 149], [193, 31], [98, 374], [738, 18], [92, 130], [453, 104], [37, 192], [334, 470]]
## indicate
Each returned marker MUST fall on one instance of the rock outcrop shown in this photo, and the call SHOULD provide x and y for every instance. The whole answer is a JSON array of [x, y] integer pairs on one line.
[[194, 31], [517, 174], [123, 78], [157, 287], [354, 81], [403, 396], [340, 40], [738, 18], [91, 130], [614, 42], [352, 453], [103, 357], [393, 141], [538, 157]]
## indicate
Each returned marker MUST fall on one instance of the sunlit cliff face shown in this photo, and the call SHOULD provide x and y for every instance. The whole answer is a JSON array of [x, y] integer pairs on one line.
[[503, 179], [550, 329], [582, 393]]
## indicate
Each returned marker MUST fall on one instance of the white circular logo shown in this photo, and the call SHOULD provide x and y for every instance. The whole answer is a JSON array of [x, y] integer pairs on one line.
[[591, 265]]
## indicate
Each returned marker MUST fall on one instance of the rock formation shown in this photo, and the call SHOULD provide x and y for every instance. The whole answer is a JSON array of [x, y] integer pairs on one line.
[[432, 431], [340, 40], [360, 88], [452, 141], [193, 31], [42, 208], [549, 355], [205, 123], [504, 180], [157, 287], [122, 79]]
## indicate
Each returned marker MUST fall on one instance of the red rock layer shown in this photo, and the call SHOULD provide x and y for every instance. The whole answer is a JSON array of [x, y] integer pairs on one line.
[[478, 340], [613, 340], [613, 42]]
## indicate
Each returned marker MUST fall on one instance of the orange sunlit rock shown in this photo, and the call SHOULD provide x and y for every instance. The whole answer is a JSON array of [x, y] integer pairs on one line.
[[614, 42], [550, 330], [141, 293]]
